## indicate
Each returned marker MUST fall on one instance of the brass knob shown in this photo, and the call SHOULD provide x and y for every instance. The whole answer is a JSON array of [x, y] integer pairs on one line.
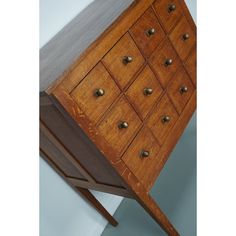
[[123, 125], [185, 36], [183, 89], [145, 153], [150, 32], [172, 7], [147, 91], [127, 59], [99, 92], [168, 62], [165, 119]]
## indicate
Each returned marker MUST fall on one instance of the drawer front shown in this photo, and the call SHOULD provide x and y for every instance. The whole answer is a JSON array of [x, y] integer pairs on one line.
[[169, 12], [147, 32], [180, 90], [162, 119], [142, 156], [191, 65], [165, 62], [119, 125], [183, 38], [144, 92], [96, 93], [123, 60]]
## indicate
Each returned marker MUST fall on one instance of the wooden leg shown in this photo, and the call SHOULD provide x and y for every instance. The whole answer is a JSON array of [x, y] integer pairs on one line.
[[156, 213], [95, 203]]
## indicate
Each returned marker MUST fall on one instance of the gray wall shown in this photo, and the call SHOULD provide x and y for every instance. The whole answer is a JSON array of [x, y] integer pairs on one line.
[[62, 211]]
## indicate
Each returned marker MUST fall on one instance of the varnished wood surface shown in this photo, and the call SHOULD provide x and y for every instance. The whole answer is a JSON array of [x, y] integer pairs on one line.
[[143, 103], [65, 48], [180, 99], [191, 65], [125, 175], [147, 43]]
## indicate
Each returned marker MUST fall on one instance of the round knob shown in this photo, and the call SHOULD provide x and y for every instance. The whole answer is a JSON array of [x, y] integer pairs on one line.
[[168, 62], [183, 89], [123, 125], [172, 7], [127, 59], [147, 91], [185, 36], [99, 92], [145, 153], [165, 119], [150, 32]]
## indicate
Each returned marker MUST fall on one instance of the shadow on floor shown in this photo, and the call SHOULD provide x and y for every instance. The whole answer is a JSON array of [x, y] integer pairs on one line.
[[174, 191]]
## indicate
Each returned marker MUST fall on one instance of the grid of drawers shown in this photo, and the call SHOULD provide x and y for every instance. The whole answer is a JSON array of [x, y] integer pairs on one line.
[[136, 93]]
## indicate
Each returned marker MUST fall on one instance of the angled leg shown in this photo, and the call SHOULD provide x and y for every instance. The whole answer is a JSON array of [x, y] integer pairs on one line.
[[95, 203], [156, 213]]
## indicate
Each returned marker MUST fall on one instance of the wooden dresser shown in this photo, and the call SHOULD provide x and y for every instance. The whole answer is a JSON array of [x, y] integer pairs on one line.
[[110, 115]]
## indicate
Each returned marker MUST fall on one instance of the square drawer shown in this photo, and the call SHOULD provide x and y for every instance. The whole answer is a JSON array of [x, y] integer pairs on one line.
[[183, 38], [162, 119], [164, 62], [180, 90], [142, 156], [191, 65], [123, 60], [147, 32], [119, 126], [96, 93], [169, 12], [144, 92]]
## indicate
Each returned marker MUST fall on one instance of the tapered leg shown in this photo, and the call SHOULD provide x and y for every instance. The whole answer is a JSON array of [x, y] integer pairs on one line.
[[99, 207], [156, 213]]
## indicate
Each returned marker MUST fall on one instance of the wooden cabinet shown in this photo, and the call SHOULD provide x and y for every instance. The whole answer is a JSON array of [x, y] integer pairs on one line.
[[110, 117]]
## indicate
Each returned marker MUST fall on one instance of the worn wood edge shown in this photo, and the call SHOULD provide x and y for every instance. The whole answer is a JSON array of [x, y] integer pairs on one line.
[[174, 135], [90, 57]]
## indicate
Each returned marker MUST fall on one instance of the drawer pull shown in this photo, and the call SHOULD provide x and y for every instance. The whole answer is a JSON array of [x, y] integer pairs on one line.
[[147, 91], [99, 92], [151, 32], [123, 125], [185, 36], [144, 153], [165, 119], [127, 60], [168, 62], [183, 89], [172, 7]]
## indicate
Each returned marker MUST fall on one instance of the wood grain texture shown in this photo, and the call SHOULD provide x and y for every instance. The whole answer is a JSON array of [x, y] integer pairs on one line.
[[158, 59], [191, 66], [139, 32], [114, 60], [84, 94], [180, 99], [155, 120], [118, 138], [69, 44], [142, 167], [143, 103], [183, 47], [168, 18]]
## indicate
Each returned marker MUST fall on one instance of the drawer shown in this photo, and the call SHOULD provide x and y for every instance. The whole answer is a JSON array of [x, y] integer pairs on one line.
[[142, 156], [119, 126], [144, 92], [164, 62], [147, 32], [191, 65], [169, 12], [162, 119], [123, 60], [96, 93], [183, 38], [180, 90]]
